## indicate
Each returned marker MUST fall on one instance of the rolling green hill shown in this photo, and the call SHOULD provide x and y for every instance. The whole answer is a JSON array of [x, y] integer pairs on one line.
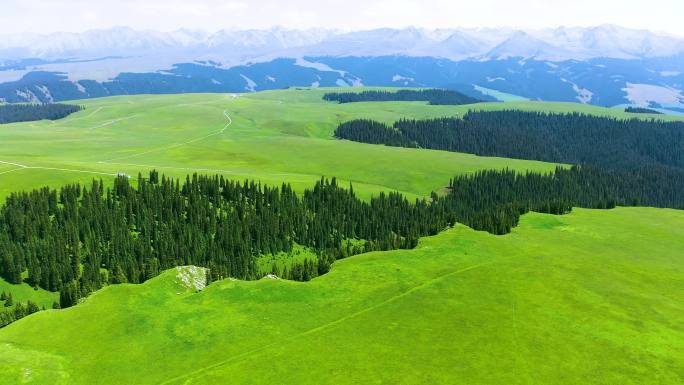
[[588, 298], [23, 293], [275, 136], [593, 297]]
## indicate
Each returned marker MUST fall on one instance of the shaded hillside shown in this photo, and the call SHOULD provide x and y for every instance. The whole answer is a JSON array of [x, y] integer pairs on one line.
[[12, 113], [602, 82], [610, 143], [434, 97]]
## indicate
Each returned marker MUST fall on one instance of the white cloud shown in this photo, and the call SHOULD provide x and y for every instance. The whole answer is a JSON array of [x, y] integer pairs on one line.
[[232, 5], [90, 16], [297, 17], [50, 15]]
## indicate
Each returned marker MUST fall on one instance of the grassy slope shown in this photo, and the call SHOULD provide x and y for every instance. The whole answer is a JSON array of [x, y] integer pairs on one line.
[[276, 136], [589, 298], [535, 310], [282, 261], [23, 293]]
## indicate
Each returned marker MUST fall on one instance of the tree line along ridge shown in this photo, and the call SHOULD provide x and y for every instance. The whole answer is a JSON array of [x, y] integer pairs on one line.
[[13, 113], [79, 238], [432, 96], [76, 239]]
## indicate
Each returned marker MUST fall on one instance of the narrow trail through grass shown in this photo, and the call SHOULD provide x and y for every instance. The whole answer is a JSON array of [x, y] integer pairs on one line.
[[274, 137], [109, 123], [219, 132], [26, 167], [591, 297], [321, 327]]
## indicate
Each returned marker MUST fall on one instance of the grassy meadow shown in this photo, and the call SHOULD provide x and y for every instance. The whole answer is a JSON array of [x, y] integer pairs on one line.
[[593, 297], [23, 293], [274, 137]]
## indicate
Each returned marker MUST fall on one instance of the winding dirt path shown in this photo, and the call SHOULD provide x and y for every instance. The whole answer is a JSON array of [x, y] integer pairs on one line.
[[218, 132], [20, 166], [27, 167]]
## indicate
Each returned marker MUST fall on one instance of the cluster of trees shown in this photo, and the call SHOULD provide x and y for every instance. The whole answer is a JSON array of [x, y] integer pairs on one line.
[[565, 138], [11, 113], [15, 311], [625, 162], [494, 200], [78, 239], [304, 271], [432, 96], [7, 299], [641, 110], [374, 132]]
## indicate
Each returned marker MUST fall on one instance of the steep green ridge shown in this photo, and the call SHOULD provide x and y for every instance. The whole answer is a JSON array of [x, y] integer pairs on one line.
[[593, 297]]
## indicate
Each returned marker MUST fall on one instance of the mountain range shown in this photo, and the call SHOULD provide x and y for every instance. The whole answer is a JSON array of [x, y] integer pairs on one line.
[[604, 65], [557, 44]]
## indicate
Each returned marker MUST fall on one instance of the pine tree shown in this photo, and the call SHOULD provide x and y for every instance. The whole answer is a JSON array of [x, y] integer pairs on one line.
[[9, 302]]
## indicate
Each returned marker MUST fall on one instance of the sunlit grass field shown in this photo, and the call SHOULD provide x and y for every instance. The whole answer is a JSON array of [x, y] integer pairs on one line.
[[275, 136], [594, 297], [23, 293]]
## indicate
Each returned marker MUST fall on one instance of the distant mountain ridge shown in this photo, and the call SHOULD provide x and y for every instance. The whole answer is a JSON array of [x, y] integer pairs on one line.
[[605, 65], [558, 44], [604, 82]]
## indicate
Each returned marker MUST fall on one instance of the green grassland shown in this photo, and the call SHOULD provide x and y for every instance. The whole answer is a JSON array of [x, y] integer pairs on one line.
[[593, 297], [23, 293], [275, 136], [281, 261]]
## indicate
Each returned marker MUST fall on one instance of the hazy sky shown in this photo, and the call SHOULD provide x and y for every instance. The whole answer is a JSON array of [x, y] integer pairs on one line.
[[78, 15]]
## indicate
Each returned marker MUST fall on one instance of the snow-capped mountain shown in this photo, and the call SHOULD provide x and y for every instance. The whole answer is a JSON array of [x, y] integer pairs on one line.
[[558, 44], [456, 45], [613, 42], [95, 43], [377, 42], [604, 65], [522, 44], [277, 39], [124, 41]]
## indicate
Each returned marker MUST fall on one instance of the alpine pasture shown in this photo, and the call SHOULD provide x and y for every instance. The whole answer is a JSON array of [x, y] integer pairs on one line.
[[588, 298], [592, 297], [274, 137]]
